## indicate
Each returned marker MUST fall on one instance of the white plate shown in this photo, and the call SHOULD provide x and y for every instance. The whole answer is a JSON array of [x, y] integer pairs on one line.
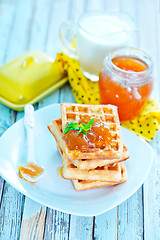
[[58, 193]]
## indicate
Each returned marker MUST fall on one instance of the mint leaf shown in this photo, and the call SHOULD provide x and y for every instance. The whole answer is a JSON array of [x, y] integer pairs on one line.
[[66, 130], [73, 124], [75, 128], [82, 128], [82, 131], [88, 125]]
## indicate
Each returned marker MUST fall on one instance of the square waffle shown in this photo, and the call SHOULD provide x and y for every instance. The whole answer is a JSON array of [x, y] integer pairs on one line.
[[108, 175], [108, 114], [94, 163], [80, 185], [111, 173], [55, 128]]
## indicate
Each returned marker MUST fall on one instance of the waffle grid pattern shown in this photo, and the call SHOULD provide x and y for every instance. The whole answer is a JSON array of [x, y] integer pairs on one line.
[[106, 113]]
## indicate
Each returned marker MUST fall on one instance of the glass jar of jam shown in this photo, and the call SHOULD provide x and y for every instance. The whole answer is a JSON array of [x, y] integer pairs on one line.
[[126, 81]]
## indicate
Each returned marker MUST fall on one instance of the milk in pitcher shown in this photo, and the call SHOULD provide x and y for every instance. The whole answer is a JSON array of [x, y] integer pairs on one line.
[[97, 34]]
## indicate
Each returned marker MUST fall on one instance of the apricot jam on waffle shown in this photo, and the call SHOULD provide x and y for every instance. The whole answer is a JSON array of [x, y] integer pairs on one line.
[[98, 136]]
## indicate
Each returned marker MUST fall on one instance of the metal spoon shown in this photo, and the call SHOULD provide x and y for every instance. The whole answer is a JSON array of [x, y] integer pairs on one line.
[[31, 171]]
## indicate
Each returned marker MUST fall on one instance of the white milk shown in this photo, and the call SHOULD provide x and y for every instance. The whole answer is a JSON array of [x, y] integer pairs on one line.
[[96, 36]]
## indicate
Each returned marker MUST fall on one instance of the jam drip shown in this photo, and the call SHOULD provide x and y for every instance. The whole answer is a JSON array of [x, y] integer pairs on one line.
[[97, 137]]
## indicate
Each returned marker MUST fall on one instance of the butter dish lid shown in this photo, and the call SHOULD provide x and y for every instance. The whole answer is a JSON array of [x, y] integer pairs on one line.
[[29, 78]]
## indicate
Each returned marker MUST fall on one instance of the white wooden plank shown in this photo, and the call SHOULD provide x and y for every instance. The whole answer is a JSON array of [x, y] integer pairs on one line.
[[66, 94], [52, 44], [111, 6], [37, 212], [106, 225], [130, 213], [148, 25], [94, 5], [152, 184], [80, 228], [130, 218], [50, 99], [6, 118], [19, 37], [59, 13], [152, 197], [33, 221], [1, 188], [128, 7], [10, 214], [57, 225], [78, 7], [39, 25], [149, 41], [7, 17], [12, 202]]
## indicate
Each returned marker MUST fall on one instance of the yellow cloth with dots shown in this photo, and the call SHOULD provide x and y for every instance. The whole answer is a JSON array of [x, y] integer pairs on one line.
[[87, 92], [147, 123]]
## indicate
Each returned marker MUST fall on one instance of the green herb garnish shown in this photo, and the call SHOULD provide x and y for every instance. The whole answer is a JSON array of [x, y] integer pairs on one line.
[[81, 128]]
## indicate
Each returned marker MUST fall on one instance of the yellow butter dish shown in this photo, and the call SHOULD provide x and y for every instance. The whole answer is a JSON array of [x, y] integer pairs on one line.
[[29, 78]]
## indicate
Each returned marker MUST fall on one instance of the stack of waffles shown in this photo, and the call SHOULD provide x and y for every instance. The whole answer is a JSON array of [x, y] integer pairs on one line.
[[92, 167]]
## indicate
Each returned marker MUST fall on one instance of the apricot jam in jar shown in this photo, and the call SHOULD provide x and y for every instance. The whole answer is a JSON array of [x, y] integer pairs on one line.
[[126, 81]]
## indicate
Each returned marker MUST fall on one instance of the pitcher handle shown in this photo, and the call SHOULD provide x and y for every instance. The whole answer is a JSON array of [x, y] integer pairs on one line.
[[67, 33]]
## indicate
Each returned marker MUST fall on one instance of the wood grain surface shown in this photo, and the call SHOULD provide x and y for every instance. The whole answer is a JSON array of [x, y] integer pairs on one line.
[[34, 24]]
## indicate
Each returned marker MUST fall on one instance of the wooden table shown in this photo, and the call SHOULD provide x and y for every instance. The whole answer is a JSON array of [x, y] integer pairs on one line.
[[34, 24]]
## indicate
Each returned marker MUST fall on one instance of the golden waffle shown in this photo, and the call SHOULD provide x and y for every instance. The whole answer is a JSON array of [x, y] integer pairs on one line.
[[80, 185], [116, 173], [113, 173], [55, 128], [108, 114], [106, 173], [94, 163]]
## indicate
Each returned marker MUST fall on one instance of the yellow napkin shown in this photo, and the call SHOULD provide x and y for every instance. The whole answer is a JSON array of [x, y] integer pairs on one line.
[[84, 90], [147, 123], [87, 92]]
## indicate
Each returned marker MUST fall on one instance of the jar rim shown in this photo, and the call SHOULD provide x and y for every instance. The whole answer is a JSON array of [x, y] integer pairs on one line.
[[131, 77]]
